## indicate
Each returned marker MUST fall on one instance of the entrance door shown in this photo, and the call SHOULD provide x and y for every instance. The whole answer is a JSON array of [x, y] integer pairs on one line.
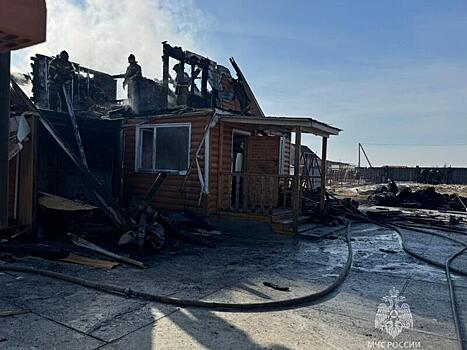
[[263, 155], [239, 164], [263, 162]]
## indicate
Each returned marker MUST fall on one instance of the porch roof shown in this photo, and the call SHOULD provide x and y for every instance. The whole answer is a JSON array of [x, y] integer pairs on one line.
[[306, 125]]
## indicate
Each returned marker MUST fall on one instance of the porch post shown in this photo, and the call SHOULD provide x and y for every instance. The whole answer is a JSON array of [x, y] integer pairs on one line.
[[296, 194], [4, 130], [323, 172]]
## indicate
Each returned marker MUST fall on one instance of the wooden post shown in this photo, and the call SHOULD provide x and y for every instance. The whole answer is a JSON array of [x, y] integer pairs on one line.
[[324, 150], [4, 134], [220, 177], [296, 191], [204, 81], [192, 87], [27, 175], [165, 77]]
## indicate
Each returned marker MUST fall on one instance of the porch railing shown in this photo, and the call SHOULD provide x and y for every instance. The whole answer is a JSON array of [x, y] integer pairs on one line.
[[257, 193]]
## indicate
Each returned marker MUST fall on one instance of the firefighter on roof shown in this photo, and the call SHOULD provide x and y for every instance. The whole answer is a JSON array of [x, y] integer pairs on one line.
[[60, 71]]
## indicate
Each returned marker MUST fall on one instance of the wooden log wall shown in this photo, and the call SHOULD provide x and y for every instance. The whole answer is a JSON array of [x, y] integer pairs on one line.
[[173, 194]]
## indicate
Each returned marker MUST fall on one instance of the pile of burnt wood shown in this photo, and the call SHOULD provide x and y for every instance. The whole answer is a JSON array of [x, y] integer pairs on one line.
[[392, 195], [333, 211]]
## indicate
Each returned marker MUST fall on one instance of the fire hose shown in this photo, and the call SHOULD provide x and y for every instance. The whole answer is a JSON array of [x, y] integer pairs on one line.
[[265, 306], [446, 266], [234, 307]]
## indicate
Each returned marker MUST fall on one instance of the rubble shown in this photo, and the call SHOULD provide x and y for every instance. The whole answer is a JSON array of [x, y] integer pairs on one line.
[[88, 245], [428, 198], [332, 213]]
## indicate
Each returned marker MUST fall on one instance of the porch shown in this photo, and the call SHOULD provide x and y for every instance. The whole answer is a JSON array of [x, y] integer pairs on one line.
[[259, 187]]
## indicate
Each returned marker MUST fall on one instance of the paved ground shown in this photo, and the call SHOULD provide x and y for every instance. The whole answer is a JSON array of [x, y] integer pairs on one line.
[[65, 316]]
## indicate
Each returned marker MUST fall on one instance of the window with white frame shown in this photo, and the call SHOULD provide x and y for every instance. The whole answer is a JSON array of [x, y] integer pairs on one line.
[[163, 147]]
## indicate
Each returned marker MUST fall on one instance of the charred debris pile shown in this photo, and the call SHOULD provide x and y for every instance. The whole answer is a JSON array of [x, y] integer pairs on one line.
[[393, 195], [63, 91], [76, 232], [391, 206]]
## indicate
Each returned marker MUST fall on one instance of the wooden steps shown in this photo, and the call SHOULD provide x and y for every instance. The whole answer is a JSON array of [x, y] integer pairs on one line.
[[281, 220]]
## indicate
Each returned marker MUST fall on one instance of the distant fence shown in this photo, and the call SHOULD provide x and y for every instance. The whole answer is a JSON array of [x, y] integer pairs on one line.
[[381, 174]]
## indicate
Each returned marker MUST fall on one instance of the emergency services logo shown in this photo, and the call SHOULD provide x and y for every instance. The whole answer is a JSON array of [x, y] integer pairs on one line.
[[393, 315]]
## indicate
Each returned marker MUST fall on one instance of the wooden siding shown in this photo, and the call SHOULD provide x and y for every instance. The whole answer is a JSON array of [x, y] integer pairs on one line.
[[172, 194]]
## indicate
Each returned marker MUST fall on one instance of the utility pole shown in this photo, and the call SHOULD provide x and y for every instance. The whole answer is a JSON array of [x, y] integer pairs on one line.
[[359, 145], [4, 134], [366, 157]]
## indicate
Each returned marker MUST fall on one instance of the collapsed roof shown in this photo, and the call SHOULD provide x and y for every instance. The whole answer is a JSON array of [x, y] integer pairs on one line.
[[208, 85]]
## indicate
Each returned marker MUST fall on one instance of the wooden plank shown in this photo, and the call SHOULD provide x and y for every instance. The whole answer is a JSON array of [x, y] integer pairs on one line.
[[92, 262], [85, 244]]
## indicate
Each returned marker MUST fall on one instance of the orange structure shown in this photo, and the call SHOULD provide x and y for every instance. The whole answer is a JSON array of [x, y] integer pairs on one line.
[[22, 23]]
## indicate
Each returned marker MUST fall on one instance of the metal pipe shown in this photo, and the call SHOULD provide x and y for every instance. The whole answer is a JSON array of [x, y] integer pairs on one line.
[[4, 134]]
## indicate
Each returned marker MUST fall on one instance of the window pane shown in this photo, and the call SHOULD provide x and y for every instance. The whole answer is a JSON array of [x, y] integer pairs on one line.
[[147, 148], [172, 148]]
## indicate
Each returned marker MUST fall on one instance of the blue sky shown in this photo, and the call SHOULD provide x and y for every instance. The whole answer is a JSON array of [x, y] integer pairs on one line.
[[386, 72]]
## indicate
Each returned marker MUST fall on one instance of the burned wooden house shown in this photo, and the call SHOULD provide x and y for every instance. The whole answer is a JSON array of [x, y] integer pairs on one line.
[[199, 125]]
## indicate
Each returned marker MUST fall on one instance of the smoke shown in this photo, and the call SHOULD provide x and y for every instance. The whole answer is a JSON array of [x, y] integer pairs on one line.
[[100, 34]]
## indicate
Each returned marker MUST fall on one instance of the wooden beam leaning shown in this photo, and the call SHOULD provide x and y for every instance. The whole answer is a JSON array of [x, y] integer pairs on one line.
[[74, 123]]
